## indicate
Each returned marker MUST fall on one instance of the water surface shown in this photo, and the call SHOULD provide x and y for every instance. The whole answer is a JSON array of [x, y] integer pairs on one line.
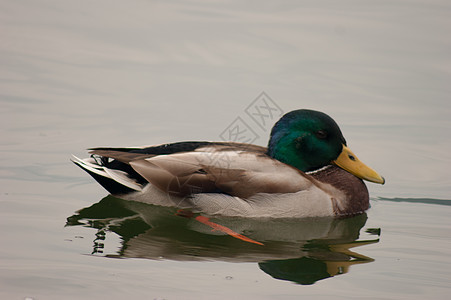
[[102, 73]]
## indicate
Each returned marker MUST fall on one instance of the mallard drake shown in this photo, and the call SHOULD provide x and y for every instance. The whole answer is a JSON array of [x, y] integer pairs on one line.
[[307, 170]]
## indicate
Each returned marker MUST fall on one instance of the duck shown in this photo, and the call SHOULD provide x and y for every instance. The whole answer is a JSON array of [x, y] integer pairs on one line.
[[307, 170]]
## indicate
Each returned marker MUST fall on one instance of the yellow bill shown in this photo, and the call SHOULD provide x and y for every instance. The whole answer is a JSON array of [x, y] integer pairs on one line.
[[349, 162]]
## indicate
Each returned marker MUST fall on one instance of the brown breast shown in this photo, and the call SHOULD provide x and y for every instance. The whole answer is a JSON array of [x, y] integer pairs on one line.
[[357, 197]]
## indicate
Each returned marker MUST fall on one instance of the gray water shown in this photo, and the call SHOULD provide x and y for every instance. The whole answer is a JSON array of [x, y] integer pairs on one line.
[[82, 74]]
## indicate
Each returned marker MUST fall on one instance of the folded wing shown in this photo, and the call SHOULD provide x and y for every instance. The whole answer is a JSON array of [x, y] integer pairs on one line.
[[231, 168]]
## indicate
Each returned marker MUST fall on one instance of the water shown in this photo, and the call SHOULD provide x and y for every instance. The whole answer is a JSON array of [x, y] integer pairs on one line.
[[84, 74]]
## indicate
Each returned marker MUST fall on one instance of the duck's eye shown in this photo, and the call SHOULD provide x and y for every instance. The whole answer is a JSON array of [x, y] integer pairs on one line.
[[321, 134]]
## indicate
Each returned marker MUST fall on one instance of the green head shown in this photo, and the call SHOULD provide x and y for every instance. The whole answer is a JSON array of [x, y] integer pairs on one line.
[[306, 139]]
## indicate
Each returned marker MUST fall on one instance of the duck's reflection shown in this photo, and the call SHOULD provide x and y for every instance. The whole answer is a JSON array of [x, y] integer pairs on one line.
[[299, 250]]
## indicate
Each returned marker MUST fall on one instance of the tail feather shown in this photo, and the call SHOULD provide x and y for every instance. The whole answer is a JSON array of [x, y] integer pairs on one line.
[[114, 181]]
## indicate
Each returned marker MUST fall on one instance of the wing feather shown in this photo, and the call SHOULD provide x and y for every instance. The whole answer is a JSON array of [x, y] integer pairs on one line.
[[236, 169], [245, 175]]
